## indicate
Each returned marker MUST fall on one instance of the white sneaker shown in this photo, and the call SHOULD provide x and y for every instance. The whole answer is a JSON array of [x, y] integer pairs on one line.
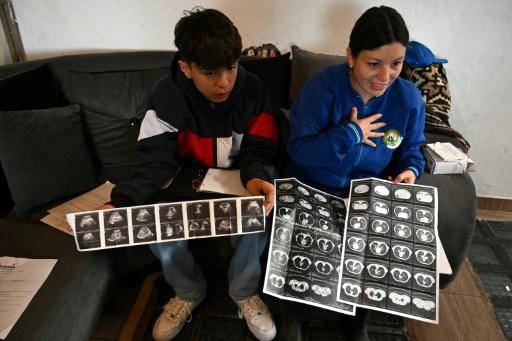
[[258, 317], [171, 321]]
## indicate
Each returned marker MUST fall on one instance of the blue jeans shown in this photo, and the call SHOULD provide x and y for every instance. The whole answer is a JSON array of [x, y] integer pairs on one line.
[[184, 275]]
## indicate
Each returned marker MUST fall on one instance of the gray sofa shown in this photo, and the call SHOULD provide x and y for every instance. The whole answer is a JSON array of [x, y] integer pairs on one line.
[[69, 123]]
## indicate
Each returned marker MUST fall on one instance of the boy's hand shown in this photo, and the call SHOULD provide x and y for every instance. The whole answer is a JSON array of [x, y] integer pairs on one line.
[[102, 207], [407, 176], [368, 126], [261, 187]]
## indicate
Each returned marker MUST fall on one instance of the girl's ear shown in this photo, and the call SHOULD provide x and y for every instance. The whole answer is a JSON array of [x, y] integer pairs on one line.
[[350, 58], [185, 68]]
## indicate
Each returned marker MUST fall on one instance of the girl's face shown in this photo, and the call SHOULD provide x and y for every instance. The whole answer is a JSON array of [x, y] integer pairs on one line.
[[373, 71]]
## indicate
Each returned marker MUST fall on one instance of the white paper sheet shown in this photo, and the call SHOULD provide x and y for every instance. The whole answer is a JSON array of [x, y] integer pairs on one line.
[[85, 202], [443, 264], [20, 279], [225, 181]]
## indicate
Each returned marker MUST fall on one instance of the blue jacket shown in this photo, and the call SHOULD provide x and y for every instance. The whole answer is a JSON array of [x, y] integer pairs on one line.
[[326, 147]]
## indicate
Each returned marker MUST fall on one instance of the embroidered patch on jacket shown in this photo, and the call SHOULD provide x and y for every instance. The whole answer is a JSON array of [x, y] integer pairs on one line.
[[392, 138]]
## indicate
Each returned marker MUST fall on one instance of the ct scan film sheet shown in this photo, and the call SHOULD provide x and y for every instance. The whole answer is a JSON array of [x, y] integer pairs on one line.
[[390, 249], [159, 223], [304, 255]]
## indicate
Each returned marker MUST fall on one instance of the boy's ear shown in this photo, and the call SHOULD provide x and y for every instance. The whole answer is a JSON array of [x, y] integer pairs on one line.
[[185, 68]]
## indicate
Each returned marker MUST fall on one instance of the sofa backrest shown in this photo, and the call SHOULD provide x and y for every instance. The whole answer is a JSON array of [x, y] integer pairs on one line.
[[305, 64], [112, 90]]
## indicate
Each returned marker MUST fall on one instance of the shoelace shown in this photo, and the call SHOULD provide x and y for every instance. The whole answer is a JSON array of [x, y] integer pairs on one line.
[[175, 309], [254, 307]]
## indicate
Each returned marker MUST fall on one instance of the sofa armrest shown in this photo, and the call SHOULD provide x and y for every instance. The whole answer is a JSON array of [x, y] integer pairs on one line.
[[456, 212], [70, 301]]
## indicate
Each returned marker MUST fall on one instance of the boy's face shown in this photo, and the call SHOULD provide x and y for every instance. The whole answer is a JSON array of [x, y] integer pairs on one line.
[[215, 84]]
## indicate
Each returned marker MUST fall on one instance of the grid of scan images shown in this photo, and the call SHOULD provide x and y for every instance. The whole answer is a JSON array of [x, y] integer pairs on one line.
[[305, 251], [128, 226], [389, 252]]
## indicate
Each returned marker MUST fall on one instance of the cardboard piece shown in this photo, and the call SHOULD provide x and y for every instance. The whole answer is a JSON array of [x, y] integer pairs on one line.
[[445, 158]]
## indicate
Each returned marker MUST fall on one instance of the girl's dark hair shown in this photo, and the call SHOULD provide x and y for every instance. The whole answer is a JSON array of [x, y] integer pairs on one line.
[[208, 38], [376, 27]]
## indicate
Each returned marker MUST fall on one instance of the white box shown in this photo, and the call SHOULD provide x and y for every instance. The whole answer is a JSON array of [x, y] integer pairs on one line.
[[445, 158]]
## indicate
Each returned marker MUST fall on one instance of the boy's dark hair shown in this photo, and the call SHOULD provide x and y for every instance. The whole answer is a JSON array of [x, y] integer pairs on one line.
[[208, 38], [378, 26]]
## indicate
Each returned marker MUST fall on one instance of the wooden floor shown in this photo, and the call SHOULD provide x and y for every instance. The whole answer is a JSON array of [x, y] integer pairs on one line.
[[465, 313]]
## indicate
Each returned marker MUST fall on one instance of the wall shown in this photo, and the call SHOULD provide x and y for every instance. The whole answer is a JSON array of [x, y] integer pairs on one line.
[[474, 35], [5, 57]]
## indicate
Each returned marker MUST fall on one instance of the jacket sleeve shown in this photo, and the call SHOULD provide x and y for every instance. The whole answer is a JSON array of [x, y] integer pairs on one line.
[[409, 154], [157, 149], [259, 148], [319, 136]]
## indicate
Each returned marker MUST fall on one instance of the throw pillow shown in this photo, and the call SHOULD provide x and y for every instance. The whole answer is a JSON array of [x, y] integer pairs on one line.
[[113, 105], [44, 155], [305, 64], [114, 141], [31, 89], [275, 73]]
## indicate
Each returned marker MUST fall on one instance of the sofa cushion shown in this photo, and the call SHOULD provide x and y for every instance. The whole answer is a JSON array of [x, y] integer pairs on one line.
[[305, 64], [275, 73], [44, 155], [31, 89], [114, 141], [112, 90]]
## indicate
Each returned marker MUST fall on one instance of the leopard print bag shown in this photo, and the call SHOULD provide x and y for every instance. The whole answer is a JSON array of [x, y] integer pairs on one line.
[[432, 82]]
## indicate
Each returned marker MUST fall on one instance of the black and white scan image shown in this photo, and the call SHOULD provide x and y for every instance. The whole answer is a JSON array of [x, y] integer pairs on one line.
[[171, 222], [167, 222], [389, 257], [304, 256], [87, 230], [198, 214], [116, 227], [253, 215], [144, 225], [225, 215], [403, 193]]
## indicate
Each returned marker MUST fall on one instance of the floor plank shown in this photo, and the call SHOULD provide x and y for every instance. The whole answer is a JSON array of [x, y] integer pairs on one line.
[[465, 283], [494, 215], [461, 318]]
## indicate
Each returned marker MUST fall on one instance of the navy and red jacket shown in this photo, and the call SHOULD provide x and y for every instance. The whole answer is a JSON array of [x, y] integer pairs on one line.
[[182, 127]]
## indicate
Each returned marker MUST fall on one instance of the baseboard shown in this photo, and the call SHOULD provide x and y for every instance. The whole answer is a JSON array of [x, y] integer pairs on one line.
[[494, 204]]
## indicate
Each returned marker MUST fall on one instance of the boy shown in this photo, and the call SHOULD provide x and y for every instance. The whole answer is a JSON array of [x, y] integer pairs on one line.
[[207, 112]]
